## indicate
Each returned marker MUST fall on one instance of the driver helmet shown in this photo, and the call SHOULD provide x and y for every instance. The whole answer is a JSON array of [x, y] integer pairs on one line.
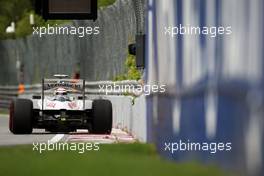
[[61, 92]]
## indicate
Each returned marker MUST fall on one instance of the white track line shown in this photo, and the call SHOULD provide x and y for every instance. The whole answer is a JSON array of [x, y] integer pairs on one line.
[[56, 138]]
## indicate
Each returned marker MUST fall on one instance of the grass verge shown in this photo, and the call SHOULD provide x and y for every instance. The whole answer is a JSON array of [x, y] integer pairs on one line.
[[118, 160]]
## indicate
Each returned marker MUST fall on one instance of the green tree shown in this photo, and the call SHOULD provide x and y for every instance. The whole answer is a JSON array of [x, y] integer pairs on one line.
[[132, 72], [12, 10]]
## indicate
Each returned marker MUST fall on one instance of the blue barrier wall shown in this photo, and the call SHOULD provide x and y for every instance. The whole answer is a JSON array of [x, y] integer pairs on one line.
[[214, 84]]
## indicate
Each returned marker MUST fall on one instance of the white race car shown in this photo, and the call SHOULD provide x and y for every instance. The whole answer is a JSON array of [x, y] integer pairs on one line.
[[61, 107]]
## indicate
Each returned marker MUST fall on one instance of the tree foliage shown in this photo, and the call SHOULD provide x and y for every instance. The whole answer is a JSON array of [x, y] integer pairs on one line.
[[12, 10], [132, 72]]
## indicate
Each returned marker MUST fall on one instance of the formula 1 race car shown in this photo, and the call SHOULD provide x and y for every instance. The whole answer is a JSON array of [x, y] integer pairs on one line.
[[61, 107]]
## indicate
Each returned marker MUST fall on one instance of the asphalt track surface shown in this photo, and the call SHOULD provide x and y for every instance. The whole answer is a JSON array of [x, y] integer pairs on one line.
[[38, 136]]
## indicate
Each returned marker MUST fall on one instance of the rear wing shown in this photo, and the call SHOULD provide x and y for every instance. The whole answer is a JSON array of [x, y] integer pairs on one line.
[[76, 86]]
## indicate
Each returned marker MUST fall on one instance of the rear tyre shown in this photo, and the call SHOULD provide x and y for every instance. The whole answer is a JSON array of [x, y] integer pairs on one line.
[[11, 116], [102, 117], [21, 116]]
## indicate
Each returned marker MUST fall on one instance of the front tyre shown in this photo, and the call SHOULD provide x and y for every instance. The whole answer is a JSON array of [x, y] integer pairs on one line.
[[21, 116], [102, 117]]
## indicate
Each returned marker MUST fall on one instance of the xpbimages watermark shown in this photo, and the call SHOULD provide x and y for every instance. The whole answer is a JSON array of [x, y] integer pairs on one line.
[[188, 146], [139, 89], [211, 31], [65, 30], [80, 148]]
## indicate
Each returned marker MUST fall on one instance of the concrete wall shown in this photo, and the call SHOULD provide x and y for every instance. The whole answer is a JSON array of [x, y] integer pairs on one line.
[[128, 116], [215, 85]]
